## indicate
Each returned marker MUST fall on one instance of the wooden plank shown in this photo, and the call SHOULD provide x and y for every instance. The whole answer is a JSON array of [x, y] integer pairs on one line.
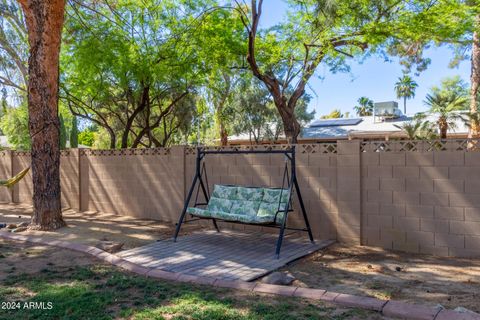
[[227, 255]]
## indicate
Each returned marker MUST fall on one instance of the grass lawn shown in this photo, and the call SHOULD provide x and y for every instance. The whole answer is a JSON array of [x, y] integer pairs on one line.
[[98, 291]]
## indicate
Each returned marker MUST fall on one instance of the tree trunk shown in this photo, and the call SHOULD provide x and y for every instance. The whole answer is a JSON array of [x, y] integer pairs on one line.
[[44, 23], [291, 126], [142, 104], [475, 79], [223, 135], [404, 105], [221, 125], [113, 138], [443, 126]]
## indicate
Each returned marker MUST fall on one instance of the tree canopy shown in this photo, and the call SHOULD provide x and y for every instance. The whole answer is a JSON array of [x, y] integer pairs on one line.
[[155, 73]]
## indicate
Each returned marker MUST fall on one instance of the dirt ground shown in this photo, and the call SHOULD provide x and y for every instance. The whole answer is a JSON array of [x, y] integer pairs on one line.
[[22, 258], [92, 227], [451, 282]]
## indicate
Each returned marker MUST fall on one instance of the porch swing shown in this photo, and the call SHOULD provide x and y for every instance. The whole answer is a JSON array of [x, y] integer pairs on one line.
[[268, 207]]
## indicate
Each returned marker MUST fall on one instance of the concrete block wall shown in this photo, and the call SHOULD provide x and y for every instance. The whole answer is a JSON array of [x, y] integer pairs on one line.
[[22, 192], [5, 173], [143, 183], [349, 192], [414, 196], [69, 178], [422, 200]]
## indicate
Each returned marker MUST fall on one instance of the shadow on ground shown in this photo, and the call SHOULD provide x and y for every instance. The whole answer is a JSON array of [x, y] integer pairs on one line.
[[451, 282]]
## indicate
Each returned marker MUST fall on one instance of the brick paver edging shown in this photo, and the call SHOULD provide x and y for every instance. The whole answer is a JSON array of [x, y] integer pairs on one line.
[[389, 308]]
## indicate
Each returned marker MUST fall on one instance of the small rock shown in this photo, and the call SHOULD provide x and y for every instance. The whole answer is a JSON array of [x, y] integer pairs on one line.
[[369, 266], [19, 229], [280, 278], [464, 310], [23, 224], [398, 269], [11, 226], [110, 246]]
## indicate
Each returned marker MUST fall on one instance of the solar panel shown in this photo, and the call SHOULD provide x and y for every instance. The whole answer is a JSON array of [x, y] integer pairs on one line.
[[336, 122]]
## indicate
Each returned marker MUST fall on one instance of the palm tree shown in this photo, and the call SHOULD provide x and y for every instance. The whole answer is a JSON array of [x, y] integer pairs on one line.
[[364, 107], [405, 88], [444, 106], [418, 129]]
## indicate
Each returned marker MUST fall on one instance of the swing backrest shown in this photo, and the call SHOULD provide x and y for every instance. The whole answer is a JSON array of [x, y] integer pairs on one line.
[[255, 204]]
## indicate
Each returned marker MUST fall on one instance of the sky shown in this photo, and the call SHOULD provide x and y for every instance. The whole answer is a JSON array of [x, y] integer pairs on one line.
[[374, 78]]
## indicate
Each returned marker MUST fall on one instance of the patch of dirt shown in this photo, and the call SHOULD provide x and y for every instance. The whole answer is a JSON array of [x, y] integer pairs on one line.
[[451, 282], [19, 258], [92, 227]]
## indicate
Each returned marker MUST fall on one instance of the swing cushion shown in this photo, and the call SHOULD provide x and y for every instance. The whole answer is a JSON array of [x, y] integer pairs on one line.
[[247, 205]]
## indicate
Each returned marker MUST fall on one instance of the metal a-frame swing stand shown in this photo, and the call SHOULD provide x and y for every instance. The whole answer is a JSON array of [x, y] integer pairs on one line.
[[290, 179]]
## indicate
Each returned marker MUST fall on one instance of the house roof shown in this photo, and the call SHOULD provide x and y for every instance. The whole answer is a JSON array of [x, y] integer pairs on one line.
[[360, 127], [364, 126]]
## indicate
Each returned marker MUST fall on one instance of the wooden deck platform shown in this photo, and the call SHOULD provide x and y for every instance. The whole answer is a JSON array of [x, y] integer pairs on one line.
[[229, 255]]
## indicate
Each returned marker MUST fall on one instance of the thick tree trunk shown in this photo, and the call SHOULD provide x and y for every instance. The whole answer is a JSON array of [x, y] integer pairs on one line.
[[291, 126], [474, 131], [405, 105], [44, 23]]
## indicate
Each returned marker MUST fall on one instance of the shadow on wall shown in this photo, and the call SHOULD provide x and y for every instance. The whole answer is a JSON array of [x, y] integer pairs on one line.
[[427, 202], [147, 186]]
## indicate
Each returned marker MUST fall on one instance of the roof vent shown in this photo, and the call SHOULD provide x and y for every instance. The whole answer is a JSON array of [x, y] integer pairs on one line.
[[383, 111]]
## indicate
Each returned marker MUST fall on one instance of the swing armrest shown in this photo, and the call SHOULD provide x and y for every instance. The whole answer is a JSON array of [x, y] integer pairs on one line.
[[200, 205]]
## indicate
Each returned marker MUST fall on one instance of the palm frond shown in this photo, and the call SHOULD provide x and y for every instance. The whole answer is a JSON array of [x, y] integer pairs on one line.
[[14, 180]]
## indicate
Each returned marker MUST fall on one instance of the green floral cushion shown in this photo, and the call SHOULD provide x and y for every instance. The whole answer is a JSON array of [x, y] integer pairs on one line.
[[251, 194], [224, 192], [273, 195], [269, 209], [249, 205], [245, 207], [222, 215], [219, 204], [235, 217], [199, 212]]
